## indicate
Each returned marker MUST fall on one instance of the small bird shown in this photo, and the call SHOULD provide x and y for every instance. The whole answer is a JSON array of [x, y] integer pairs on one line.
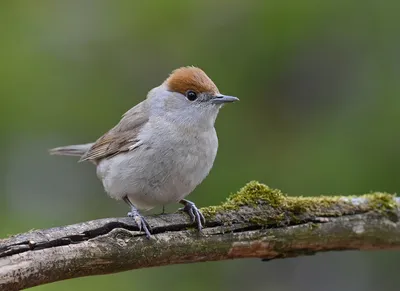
[[162, 148]]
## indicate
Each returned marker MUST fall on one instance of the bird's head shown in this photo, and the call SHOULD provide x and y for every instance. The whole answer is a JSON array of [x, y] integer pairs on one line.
[[188, 95]]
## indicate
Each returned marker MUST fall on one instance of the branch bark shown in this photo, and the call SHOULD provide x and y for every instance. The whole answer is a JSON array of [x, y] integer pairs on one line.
[[254, 228]]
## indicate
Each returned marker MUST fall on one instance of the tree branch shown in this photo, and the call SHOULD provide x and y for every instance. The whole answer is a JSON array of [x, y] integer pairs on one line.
[[256, 222]]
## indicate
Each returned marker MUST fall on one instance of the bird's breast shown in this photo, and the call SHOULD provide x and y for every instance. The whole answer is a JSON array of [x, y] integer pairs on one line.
[[187, 160], [164, 169]]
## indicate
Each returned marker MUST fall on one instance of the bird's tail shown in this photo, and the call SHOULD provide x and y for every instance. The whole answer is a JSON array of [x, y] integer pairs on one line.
[[71, 150]]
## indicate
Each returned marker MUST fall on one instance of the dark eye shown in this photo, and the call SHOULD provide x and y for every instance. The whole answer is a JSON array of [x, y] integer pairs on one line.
[[191, 95]]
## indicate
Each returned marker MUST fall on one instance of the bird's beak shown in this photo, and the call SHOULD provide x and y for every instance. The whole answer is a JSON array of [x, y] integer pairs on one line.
[[221, 99]]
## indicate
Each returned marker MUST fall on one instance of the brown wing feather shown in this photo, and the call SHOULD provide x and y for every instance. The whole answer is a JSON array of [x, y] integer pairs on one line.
[[120, 138]]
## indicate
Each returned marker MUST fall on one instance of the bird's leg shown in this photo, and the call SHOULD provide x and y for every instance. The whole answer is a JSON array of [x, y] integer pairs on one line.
[[140, 221], [163, 209], [194, 213]]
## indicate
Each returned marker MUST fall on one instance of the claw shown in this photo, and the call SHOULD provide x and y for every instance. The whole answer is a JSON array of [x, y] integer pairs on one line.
[[194, 213], [140, 221], [202, 218]]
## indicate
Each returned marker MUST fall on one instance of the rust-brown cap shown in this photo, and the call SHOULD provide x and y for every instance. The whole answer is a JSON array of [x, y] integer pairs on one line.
[[190, 78]]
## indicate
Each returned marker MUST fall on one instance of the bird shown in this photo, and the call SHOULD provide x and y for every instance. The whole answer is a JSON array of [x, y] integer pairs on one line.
[[162, 148]]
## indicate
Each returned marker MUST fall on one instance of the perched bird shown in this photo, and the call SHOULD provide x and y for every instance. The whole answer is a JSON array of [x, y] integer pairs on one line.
[[162, 148]]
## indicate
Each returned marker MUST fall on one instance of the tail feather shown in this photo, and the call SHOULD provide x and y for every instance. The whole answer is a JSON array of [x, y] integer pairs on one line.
[[71, 150]]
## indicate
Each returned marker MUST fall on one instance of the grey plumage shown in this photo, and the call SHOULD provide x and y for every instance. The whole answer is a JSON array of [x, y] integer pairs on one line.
[[162, 148]]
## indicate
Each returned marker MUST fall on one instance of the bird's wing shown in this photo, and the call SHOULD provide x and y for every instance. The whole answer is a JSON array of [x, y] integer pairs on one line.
[[123, 137]]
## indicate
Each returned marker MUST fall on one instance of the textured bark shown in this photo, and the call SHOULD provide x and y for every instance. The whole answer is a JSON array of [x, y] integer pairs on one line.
[[113, 245]]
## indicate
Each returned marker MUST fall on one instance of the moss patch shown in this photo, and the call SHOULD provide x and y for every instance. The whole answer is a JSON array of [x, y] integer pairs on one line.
[[250, 195], [381, 201], [278, 207]]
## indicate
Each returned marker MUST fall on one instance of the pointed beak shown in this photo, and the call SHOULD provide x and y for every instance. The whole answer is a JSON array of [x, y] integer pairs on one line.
[[221, 99]]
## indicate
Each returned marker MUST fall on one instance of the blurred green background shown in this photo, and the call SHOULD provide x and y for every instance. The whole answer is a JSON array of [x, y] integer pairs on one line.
[[319, 113]]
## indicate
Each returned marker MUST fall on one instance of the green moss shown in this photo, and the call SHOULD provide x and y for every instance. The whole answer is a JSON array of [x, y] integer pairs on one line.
[[332, 205], [281, 207], [255, 193], [381, 201], [252, 194]]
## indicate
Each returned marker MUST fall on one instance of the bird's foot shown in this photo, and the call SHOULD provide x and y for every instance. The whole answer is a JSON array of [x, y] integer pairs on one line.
[[195, 215], [139, 219]]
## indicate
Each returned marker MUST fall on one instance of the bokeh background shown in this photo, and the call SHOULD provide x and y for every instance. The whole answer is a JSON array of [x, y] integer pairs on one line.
[[319, 114]]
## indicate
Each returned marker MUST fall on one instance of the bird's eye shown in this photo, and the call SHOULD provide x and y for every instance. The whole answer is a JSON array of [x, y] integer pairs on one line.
[[191, 95]]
